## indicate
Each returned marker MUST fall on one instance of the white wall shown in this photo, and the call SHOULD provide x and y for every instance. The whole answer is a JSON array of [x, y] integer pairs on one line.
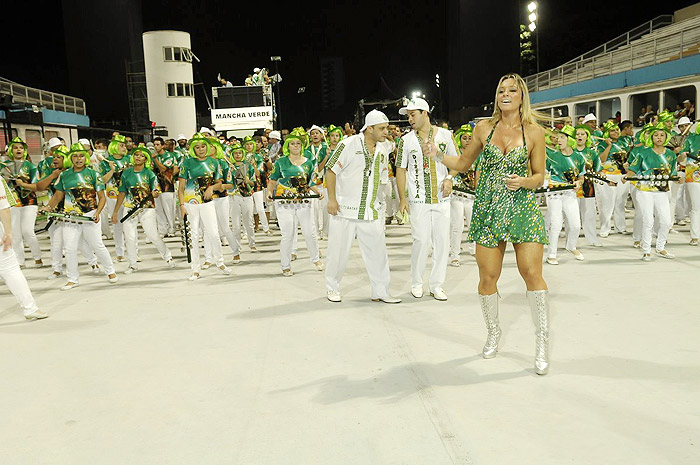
[[178, 114]]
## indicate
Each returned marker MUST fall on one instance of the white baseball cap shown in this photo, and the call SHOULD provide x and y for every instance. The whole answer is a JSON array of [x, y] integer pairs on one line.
[[589, 117], [315, 127], [274, 135], [256, 70], [415, 104], [684, 120], [54, 142], [374, 117], [206, 130], [85, 142], [686, 101], [181, 136]]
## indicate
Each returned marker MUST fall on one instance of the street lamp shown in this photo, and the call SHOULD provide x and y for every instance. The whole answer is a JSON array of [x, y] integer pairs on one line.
[[437, 80], [278, 109], [532, 17]]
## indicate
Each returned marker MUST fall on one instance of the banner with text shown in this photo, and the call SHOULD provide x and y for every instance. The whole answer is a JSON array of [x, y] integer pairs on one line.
[[224, 119]]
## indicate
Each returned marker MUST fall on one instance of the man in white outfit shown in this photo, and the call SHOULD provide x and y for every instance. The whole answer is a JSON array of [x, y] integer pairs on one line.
[[429, 185], [352, 179], [9, 268]]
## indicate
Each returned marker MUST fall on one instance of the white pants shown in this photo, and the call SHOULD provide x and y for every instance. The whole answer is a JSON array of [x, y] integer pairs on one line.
[[117, 228], [370, 238], [322, 214], [692, 192], [91, 232], [23, 222], [654, 204], [241, 209], [682, 201], [560, 205], [430, 225], [223, 219], [303, 213], [384, 195], [165, 211], [56, 238], [260, 209], [15, 280], [206, 212], [611, 200], [147, 218], [673, 199], [587, 210], [460, 209]]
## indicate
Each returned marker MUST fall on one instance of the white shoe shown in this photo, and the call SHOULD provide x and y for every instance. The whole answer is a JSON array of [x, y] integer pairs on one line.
[[333, 296], [439, 294], [236, 259], [206, 265], [665, 254], [577, 254], [68, 286], [225, 270], [36, 315], [114, 279], [53, 275], [294, 256], [637, 244], [455, 263], [254, 249], [417, 292], [287, 273], [597, 244], [170, 263], [96, 269], [646, 257], [130, 270], [603, 234], [319, 265], [552, 260], [388, 299], [120, 258], [193, 277]]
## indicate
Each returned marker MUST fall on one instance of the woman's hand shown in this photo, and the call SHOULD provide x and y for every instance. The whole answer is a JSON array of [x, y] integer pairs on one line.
[[514, 182]]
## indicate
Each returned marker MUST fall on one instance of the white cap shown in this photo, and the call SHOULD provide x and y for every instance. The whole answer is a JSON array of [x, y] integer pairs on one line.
[[415, 104], [54, 142], [181, 136], [274, 135], [256, 70], [318, 128], [589, 117], [206, 130], [85, 142], [684, 120], [374, 117], [686, 101]]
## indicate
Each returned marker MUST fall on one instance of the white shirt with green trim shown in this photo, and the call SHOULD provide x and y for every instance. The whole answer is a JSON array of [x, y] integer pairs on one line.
[[358, 175], [424, 176]]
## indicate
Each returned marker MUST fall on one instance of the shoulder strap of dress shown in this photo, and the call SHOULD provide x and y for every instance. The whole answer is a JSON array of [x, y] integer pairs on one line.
[[488, 139], [524, 140]]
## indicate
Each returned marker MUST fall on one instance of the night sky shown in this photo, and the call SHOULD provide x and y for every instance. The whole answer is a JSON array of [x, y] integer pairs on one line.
[[81, 51]]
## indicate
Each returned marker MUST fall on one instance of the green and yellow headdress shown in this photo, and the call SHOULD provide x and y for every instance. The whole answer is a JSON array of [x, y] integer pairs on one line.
[[112, 148], [249, 140], [334, 128], [609, 126], [236, 148], [648, 136], [665, 116], [294, 135], [77, 148], [463, 129], [570, 133], [305, 141], [143, 150], [17, 140], [196, 139]]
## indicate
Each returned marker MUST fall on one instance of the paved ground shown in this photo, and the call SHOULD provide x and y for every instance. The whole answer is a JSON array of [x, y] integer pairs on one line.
[[258, 369]]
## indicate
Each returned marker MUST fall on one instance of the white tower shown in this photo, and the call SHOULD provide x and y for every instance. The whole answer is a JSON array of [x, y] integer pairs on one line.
[[169, 82]]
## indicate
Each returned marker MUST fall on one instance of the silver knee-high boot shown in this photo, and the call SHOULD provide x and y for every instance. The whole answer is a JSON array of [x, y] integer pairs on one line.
[[539, 306], [489, 307]]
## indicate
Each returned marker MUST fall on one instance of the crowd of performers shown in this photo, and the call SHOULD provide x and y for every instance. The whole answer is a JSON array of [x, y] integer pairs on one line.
[[341, 187]]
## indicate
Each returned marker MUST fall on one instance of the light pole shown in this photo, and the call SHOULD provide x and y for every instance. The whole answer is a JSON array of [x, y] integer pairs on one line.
[[276, 60], [532, 17], [437, 84]]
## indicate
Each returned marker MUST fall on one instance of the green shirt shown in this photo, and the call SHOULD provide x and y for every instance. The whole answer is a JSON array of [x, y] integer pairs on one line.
[[565, 169], [647, 162], [692, 166], [198, 176], [137, 185], [166, 177], [618, 150], [27, 172], [112, 186], [237, 175], [292, 178], [44, 167], [80, 189]]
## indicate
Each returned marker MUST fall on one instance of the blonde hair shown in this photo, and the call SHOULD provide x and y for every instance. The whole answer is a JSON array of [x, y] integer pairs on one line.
[[527, 114]]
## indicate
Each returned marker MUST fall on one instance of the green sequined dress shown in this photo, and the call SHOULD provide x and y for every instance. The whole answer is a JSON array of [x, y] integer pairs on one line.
[[501, 215]]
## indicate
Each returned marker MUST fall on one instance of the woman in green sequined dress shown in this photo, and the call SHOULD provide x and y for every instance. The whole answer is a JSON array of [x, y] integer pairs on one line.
[[512, 166]]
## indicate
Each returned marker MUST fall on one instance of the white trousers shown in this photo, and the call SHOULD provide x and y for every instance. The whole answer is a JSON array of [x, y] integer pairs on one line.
[[322, 216], [258, 202], [611, 200], [165, 211], [118, 228], [287, 213], [206, 213], [241, 210], [23, 221], [560, 205], [370, 238], [56, 238], [587, 210], [385, 197], [91, 232], [682, 201], [223, 220], [147, 218], [651, 205], [430, 225], [673, 190], [692, 192], [460, 210], [15, 280]]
